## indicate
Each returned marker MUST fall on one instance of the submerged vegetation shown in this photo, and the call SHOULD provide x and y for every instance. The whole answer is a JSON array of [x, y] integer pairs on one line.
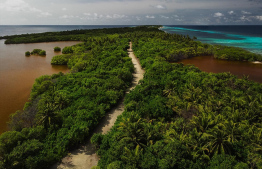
[[177, 117], [36, 52], [57, 49], [27, 53]]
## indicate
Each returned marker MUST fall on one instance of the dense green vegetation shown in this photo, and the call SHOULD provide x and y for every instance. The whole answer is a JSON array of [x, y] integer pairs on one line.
[[67, 50], [74, 35], [27, 53], [60, 59], [188, 48], [181, 117], [37, 52], [233, 53], [178, 117], [42, 53], [57, 49], [64, 108]]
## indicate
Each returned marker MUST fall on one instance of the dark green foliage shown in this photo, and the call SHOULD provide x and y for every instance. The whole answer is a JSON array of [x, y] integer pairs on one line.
[[177, 117], [60, 59], [26, 151], [67, 49], [38, 52], [226, 162], [64, 108], [232, 53], [97, 139], [27, 53], [181, 117], [74, 35], [42, 52], [57, 49]]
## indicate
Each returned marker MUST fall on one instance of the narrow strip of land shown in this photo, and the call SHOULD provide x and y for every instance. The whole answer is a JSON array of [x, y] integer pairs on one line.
[[85, 157]]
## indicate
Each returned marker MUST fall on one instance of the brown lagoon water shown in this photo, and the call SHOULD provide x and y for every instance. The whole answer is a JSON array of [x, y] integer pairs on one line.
[[209, 64], [18, 72]]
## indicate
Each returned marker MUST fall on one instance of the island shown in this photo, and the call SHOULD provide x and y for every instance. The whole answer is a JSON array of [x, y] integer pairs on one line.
[[176, 117]]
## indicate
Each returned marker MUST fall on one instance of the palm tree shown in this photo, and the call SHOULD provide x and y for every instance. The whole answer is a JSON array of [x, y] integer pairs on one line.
[[47, 115], [132, 157], [203, 121], [218, 141], [47, 108], [232, 131], [133, 131]]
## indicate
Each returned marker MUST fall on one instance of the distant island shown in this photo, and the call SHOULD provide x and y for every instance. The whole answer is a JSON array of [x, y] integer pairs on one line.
[[177, 116]]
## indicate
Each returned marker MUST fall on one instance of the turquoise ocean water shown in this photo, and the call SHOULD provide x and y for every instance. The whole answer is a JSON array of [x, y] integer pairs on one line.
[[247, 37]]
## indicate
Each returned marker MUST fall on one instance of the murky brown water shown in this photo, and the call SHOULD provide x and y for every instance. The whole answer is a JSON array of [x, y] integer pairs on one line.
[[18, 72], [209, 64]]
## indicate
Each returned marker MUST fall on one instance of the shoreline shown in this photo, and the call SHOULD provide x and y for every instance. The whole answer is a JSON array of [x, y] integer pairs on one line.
[[24, 70], [256, 62]]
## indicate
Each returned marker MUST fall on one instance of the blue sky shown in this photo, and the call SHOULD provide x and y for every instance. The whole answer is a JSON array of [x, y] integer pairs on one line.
[[130, 12]]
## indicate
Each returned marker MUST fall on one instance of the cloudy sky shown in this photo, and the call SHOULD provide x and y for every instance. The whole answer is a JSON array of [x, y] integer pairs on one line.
[[130, 12]]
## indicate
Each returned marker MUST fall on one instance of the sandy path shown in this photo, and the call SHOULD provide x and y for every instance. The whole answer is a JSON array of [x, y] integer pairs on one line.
[[85, 157]]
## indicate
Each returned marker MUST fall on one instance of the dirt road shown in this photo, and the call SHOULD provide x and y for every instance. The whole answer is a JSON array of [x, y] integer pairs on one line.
[[85, 157]]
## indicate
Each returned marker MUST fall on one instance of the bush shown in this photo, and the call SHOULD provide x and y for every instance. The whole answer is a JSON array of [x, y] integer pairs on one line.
[[42, 52], [36, 51], [60, 59], [27, 53], [57, 49], [67, 49]]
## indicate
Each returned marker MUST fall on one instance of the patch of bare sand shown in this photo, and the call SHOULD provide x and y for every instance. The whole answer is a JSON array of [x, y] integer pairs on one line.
[[85, 157]]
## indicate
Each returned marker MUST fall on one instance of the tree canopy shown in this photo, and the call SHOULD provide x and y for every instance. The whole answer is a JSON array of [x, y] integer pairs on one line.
[[177, 117]]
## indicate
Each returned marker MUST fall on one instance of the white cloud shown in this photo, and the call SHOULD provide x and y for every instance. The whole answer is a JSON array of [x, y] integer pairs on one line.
[[108, 16], [18, 6], [119, 11], [230, 12], [150, 17], [117, 16], [259, 17], [160, 6], [67, 16], [14, 5], [179, 20], [94, 16], [45, 14], [218, 14], [244, 18], [245, 12], [166, 17]]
